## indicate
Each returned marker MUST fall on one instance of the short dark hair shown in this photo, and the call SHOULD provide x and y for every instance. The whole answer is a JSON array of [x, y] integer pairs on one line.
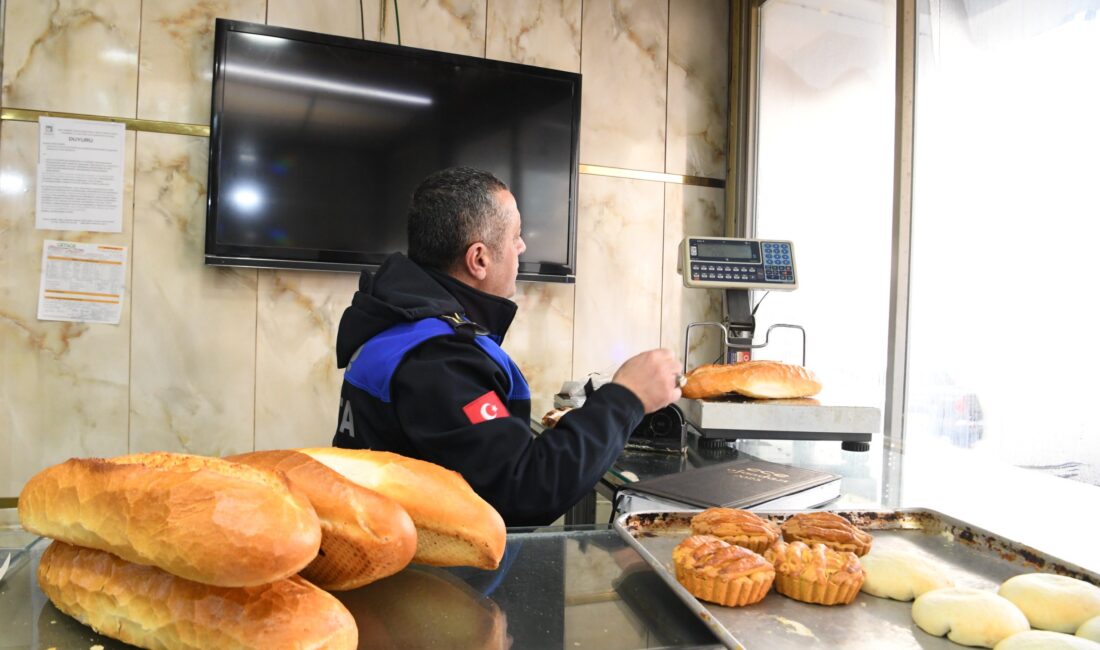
[[451, 209]]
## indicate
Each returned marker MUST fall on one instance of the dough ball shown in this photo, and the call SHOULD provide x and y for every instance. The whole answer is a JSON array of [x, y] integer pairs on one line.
[[1053, 602], [900, 575], [1039, 640], [1090, 629], [968, 616]]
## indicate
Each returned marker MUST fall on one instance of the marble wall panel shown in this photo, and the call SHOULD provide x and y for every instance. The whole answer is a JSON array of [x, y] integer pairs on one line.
[[63, 386], [456, 26], [698, 211], [624, 61], [545, 33], [541, 339], [698, 87], [177, 55], [373, 19], [193, 358], [618, 312], [76, 56], [339, 17], [297, 382]]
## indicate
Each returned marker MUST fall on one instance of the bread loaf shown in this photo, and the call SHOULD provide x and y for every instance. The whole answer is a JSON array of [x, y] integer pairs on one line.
[[150, 608], [760, 379], [204, 519], [454, 526], [364, 535]]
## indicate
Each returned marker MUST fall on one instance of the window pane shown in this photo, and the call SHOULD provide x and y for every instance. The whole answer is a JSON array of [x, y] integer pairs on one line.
[[825, 177], [1002, 352]]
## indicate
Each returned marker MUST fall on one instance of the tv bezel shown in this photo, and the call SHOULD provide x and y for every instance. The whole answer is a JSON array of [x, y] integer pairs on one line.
[[216, 254]]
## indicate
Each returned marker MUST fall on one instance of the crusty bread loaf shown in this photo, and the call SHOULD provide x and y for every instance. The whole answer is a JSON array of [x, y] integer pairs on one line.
[[364, 535], [204, 519], [150, 608], [454, 526], [760, 379]]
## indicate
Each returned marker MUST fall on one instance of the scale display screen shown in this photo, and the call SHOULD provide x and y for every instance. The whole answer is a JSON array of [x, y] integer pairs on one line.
[[730, 263]]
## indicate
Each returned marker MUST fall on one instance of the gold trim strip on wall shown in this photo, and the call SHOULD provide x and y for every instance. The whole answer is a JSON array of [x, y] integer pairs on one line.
[[639, 175], [152, 126]]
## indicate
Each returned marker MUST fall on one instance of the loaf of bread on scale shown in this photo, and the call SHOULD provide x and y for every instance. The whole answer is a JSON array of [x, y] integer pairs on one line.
[[758, 379]]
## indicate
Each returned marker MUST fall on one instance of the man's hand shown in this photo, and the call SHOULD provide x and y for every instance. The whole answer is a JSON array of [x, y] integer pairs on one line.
[[653, 377]]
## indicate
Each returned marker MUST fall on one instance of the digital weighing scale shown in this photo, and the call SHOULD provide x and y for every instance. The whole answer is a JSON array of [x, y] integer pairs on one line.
[[738, 266]]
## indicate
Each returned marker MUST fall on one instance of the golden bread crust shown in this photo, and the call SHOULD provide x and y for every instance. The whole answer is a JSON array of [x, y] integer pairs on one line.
[[204, 519], [149, 608], [829, 529], [759, 379], [815, 574], [721, 573], [737, 527], [365, 535]]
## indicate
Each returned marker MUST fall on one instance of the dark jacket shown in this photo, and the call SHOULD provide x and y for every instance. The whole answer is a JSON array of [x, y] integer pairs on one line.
[[422, 383]]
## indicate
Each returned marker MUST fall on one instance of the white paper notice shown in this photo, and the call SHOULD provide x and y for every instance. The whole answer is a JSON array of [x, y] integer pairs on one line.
[[81, 282], [80, 167]]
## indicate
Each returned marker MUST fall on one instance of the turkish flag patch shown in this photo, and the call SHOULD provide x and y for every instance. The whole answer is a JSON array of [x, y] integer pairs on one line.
[[487, 407]]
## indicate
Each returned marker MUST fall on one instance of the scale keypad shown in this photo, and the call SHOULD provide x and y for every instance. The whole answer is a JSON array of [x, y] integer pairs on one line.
[[720, 271], [777, 262]]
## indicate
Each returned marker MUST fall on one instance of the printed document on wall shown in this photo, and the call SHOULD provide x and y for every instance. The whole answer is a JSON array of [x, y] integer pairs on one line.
[[83, 283], [80, 168]]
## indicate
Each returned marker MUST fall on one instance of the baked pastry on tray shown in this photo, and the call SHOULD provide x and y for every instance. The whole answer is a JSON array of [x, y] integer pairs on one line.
[[815, 574], [737, 527], [721, 573], [826, 528]]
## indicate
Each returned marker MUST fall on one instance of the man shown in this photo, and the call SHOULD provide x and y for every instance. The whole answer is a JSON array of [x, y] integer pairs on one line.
[[425, 375]]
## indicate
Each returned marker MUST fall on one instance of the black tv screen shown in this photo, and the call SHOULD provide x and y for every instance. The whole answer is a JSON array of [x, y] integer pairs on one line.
[[317, 143]]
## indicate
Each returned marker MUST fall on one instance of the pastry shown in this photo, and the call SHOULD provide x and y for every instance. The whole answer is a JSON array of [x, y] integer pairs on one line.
[[1090, 629], [826, 528], [737, 527], [1042, 640], [761, 379], [1053, 602], [815, 574], [968, 616], [900, 575], [721, 573]]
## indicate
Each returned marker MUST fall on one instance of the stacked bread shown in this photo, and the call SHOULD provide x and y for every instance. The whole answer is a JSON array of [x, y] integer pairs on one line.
[[173, 550]]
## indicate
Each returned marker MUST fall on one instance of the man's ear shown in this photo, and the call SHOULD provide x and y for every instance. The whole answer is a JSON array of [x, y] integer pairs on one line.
[[477, 260]]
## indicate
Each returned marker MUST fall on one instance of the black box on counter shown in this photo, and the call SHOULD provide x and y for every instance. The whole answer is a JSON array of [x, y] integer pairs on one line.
[[744, 483]]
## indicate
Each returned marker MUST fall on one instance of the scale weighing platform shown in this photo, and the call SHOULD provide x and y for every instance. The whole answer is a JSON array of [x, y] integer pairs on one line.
[[739, 266]]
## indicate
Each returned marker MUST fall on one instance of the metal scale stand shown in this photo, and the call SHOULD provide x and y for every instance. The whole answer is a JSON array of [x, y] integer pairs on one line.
[[738, 266]]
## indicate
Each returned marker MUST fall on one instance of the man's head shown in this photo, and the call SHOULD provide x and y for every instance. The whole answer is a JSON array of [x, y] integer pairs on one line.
[[464, 222]]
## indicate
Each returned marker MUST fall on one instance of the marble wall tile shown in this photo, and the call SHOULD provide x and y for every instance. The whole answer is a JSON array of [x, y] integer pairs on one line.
[[698, 87], [297, 382], [545, 33], [63, 386], [624, 60], [76, 56], [177, 55], [456, 26], [618, 272], [339, 17], [690, 211], [541, 339], [193, 358], [373, 19]]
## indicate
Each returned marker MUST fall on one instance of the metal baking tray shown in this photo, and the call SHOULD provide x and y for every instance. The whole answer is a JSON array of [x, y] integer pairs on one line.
[[971, 556]]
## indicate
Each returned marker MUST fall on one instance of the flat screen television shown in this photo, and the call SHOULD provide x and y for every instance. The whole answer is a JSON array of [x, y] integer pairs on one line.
[[317, 143]]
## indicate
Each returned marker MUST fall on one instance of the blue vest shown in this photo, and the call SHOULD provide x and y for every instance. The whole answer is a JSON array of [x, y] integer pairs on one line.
[[373, 364]]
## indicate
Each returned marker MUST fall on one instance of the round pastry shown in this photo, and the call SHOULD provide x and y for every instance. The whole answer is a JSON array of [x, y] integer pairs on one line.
[[900, 575], [1053, 602], [721, 573], [826, 528], [968, 616], [1040, 640], [1090, 629], [737, 527], [815, 574]]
